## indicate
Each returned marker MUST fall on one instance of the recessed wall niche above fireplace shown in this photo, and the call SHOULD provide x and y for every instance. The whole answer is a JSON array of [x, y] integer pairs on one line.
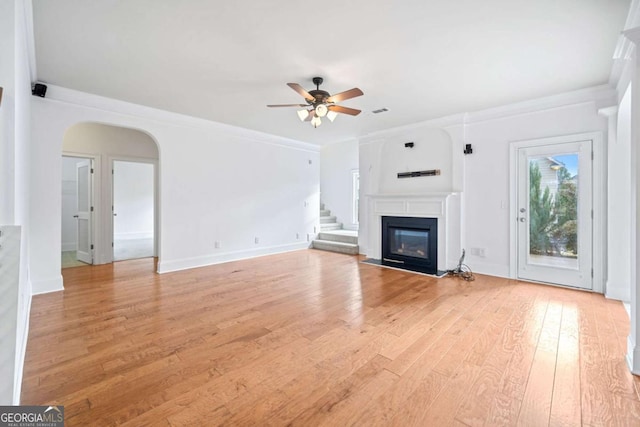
[[410, 243]]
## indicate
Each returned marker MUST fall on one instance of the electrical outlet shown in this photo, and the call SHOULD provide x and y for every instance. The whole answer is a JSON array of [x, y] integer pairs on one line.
[[257, 240], [479, 252], [217, 245]]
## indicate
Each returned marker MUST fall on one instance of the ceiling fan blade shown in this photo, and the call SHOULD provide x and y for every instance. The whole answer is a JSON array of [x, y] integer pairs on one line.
[[306, 95], [288, 105], [344, 110], [347, 94]]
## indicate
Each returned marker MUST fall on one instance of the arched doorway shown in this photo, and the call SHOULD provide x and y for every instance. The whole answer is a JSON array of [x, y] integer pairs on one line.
[[123, 176]]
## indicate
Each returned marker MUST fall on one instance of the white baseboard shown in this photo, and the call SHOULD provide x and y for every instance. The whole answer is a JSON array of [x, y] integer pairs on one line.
[[627, 308], [133, 235], [47, 285], [620, 293], [489, 269], [69, 246], [166, 266], [22, 346], [633, 356]]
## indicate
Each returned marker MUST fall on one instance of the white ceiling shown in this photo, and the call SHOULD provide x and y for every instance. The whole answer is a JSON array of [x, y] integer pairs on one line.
[[422, 59]]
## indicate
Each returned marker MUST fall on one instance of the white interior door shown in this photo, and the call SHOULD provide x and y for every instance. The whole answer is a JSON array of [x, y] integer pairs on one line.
[[133, 192], [555, 224], [84, 251]]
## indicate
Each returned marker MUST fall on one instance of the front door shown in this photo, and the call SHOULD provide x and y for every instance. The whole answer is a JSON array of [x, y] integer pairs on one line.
[[555, 224], [84, 251]]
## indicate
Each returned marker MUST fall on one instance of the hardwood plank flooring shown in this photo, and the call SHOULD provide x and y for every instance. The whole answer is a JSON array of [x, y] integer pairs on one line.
[[316, 338]]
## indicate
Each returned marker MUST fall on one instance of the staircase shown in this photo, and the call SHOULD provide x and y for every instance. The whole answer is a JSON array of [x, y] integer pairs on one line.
[[332, 237]]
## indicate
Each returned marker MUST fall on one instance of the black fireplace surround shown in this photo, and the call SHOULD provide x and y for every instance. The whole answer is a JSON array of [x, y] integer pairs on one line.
[[410, 243]]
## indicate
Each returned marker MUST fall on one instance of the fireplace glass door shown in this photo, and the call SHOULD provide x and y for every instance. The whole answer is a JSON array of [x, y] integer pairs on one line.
[[407, 242], [410, 243]]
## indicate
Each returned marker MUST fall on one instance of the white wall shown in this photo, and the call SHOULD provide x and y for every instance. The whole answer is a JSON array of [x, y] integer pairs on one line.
[[14, 195], [217, 184], [133, 200], [337, 161]]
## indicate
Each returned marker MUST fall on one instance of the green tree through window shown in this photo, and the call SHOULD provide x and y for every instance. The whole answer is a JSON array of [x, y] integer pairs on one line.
[[541, 217], [553, 226]]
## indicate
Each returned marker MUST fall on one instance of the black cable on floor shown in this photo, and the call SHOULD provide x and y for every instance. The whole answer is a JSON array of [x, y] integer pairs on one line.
[[463, 271]]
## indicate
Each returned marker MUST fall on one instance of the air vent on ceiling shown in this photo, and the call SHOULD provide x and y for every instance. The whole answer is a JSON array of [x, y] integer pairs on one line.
[[380, 110]]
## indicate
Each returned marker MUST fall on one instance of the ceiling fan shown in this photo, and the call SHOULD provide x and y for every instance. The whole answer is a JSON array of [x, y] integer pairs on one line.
[[321, 103]]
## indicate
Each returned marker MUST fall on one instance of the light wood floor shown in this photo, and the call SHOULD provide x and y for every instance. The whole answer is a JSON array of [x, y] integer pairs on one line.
[[310, 338]]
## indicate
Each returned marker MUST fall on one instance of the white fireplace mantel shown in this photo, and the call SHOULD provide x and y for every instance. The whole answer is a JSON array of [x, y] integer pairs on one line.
[[444, 206]]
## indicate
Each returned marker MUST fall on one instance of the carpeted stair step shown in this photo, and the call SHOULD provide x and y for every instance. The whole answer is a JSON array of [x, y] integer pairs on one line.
[[328, 245], [339, 236], [327, 219], [331, 226], [325, 212]]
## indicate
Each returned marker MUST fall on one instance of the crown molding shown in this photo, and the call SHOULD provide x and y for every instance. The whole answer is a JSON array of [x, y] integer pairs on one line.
[[608, 111], [625, 45], [442, 122], [603, 95], [633, 17], [27, 16], [633, 34], [163, 117]]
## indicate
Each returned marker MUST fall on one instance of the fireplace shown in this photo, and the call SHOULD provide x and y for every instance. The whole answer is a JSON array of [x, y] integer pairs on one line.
[[410, 243]]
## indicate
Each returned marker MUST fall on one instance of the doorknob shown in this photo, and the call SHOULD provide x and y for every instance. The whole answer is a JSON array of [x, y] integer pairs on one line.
[[75, 216], [115, 214], [523, 219], [522, 210]]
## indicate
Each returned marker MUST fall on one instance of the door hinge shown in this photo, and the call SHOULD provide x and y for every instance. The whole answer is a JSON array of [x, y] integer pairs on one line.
[[91, 208], [592, 155], [592, 273], [591, 213], [91, 246], [111, 244], [91, 170]]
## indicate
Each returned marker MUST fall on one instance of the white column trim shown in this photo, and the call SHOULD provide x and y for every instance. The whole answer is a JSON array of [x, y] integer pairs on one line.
[[633, 351]]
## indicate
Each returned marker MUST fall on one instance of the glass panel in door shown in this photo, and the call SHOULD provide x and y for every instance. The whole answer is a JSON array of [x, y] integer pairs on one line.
[[554, 214]]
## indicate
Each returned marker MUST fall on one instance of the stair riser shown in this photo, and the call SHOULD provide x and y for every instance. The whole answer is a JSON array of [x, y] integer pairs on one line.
[[325, 212], [338, 238], [341, 249], [331, 226], [327, 219]]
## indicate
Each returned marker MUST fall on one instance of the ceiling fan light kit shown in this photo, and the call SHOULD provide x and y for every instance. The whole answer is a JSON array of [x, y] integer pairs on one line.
[[321, 103]]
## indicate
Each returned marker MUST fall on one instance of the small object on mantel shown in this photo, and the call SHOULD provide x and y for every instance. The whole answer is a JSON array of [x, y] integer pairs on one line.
[[468, 149], [432, 172], [409, 144]]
